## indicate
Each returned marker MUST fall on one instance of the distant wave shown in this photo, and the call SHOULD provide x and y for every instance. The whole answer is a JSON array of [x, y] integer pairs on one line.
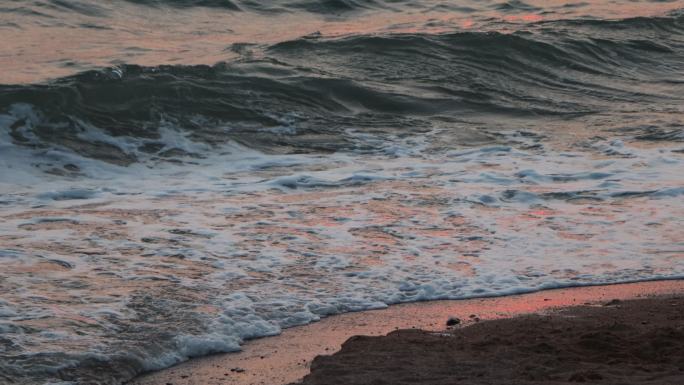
[[303, 95], [228, 4], [45, 8], [314, 6]]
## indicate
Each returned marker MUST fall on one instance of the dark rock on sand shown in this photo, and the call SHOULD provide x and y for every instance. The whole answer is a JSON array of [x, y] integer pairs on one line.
[[453, 321], [585, 344]]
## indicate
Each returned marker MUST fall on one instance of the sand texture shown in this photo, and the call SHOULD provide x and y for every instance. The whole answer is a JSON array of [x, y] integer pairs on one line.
[[621, 342]]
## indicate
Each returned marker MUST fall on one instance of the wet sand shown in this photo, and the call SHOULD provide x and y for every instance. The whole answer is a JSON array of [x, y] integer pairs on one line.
[[287, 358], [622, 342]]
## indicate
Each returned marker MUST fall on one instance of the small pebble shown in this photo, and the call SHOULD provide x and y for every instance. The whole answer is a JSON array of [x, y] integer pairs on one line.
[[453, 321]]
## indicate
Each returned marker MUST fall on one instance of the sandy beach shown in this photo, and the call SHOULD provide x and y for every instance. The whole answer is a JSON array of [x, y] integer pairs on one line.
[[288, 358], [621, 342]]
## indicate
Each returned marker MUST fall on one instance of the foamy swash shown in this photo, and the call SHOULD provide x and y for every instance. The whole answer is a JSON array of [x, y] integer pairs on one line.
[[152, 213]]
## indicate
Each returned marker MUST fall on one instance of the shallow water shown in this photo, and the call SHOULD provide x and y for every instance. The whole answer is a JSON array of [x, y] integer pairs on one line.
[[343, 155]]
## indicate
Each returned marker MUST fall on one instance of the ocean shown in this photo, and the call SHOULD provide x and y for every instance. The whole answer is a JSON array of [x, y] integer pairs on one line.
[[180, 176]]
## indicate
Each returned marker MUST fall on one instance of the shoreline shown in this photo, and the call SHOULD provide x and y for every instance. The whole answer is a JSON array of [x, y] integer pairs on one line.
[[636, 341], [287, 357]]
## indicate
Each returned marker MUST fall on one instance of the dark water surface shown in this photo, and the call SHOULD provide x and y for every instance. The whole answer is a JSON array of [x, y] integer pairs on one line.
[[177, 176]]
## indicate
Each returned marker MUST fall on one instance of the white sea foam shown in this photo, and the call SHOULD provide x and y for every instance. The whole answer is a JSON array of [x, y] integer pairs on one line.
[[187, 260]]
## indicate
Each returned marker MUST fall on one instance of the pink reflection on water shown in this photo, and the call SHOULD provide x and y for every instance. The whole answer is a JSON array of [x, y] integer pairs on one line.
[[39, 50], [527, 18]]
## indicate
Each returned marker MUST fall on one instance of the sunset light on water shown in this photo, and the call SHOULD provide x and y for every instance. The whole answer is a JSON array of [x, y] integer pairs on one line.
[[180, 177]]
